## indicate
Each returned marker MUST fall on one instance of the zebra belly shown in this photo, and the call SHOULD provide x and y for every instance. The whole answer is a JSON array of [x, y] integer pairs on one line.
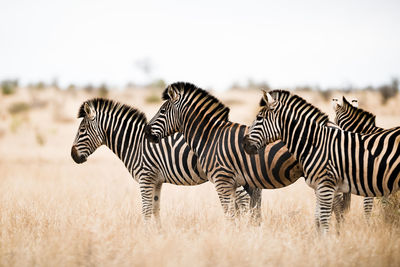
[[273, 167], [175, 161]]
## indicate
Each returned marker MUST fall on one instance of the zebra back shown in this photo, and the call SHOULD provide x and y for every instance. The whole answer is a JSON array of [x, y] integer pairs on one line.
[[121, 128], [203, 120]]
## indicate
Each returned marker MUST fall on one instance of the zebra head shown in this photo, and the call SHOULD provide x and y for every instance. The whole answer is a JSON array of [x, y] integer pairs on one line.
[[166, 122], [265, 129], [343, 110], [89, 137]]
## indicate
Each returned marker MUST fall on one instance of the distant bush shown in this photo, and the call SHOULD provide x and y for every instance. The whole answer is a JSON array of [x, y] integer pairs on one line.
[[54, 84], [389, 91], [304, 88], [71, 87], [40, 85], [88, 88], [390, 208], [9, 87], [158, 83], [326, 95], [153, 97], [16, 123], [103, 90], [18, 107]]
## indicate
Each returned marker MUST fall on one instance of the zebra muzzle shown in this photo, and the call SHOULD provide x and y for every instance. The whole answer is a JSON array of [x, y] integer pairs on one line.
[[76, 157], [249, 148], [150, 136]]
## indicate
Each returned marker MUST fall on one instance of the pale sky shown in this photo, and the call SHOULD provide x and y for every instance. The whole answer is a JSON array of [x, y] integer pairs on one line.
[[209, 43]]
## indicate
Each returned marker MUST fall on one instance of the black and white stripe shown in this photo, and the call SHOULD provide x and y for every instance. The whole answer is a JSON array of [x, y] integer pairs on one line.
[[203, 120], [333, 160], [351, 118], [121, 128]]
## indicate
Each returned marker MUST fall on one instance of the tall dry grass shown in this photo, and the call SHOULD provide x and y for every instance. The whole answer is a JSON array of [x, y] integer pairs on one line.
[[54, 212]]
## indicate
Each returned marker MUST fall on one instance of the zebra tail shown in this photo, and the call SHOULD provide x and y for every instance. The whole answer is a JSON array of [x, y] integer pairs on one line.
[[346, 201]]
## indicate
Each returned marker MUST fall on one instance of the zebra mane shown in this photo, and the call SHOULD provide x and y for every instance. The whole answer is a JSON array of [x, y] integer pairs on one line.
[[188, 88], [110, 105], [284, 96], [358, 111]]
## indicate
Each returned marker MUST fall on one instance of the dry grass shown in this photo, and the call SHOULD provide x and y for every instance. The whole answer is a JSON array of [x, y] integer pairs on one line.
[[56, 213]]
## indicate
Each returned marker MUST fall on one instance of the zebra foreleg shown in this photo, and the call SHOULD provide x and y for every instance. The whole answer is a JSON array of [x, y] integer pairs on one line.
[[325, 194], [368, 205], [226, 187], [156, 206], [255, 204], [242, 203], [150, 190]]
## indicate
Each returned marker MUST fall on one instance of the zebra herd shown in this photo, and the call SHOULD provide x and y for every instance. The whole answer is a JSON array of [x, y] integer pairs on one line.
[[190, 140]]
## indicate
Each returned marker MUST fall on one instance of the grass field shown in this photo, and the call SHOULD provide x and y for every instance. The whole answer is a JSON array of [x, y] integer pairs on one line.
[[54, 212]]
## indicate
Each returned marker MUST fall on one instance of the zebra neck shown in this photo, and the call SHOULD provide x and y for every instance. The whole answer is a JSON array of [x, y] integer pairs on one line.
[[302, 136], [201, 133], [125, 137]]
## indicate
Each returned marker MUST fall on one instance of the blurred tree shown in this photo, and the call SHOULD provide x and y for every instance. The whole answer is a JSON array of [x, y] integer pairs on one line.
[[9, 87], [88, 88], [389, 91], [158, 83], [103, 90]]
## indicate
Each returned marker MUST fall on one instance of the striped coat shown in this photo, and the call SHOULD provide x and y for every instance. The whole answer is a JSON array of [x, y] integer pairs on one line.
[[203, 120], [121, 129], [333, 160]]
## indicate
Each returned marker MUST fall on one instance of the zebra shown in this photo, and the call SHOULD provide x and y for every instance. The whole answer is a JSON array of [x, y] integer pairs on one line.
[[203, 121], [333, 160], [351, 118], [121, 128]]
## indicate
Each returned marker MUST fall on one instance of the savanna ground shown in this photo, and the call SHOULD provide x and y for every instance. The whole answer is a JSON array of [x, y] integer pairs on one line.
[[54, 212]]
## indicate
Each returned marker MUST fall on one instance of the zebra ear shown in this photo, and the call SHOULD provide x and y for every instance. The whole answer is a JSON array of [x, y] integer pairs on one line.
[[354, 102], [89, 110], [335, 103], [268, 99], [172, 93]]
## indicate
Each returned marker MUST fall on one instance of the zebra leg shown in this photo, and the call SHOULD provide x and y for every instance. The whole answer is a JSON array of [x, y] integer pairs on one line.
[[325, 194], [368, 204], [242, 202], [148, 189], [255, 204], [226, 187], [156, 206], [338, 209], [316, 214]]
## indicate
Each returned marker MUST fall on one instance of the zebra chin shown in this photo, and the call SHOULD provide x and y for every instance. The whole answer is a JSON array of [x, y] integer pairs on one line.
[[248, 146], [76, 157]]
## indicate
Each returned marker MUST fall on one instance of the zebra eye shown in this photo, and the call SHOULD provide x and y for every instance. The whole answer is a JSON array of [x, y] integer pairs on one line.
[[162, 111]]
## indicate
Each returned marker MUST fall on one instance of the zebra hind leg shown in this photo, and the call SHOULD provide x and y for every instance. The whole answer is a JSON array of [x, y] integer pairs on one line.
[[325, 194], [226, 187], [368, 205]]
